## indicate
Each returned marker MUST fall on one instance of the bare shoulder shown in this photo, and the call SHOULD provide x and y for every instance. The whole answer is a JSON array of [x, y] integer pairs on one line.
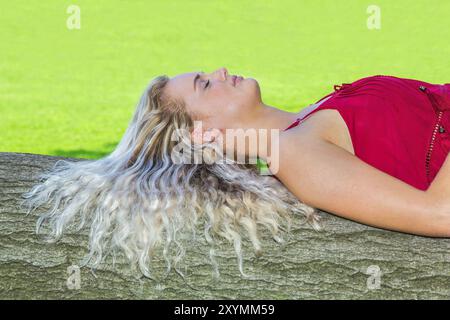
[[326, 124]]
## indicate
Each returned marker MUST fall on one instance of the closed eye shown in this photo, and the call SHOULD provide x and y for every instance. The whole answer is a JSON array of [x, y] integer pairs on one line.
[[207, 84]]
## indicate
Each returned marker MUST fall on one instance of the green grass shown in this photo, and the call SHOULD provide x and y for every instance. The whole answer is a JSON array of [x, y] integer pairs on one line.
[[73, 92]]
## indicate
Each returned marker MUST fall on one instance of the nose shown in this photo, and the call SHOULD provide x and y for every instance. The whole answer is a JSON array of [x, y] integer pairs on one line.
[[223, 73]]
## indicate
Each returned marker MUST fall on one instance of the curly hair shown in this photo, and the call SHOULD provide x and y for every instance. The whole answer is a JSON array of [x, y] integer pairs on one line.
[[137, 198]]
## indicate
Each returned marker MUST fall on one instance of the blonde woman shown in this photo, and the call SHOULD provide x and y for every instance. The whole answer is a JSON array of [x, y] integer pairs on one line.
[[373, 151]]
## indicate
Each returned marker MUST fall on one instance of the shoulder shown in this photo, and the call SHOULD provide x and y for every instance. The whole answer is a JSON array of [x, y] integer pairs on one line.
[[326, 125]]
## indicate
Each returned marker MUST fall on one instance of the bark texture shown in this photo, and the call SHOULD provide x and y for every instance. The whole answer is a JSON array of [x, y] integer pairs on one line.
[[346, 260]]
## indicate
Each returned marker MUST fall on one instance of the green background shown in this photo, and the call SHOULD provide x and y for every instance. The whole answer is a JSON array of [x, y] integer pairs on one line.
[[73, 92]]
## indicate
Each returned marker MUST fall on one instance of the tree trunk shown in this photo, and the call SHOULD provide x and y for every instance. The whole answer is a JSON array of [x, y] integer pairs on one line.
[[346, 260]]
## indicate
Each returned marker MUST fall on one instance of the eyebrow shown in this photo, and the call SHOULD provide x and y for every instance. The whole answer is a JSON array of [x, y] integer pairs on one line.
[[197, 76]]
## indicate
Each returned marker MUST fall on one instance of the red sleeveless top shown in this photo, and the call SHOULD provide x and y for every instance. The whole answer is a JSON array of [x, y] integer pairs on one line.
[[399, 126]]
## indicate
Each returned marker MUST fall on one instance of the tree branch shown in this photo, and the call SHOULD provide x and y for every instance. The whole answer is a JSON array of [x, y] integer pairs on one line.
[[346, 260]]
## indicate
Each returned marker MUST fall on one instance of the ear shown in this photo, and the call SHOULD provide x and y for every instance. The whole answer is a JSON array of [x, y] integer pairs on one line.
[[199, 136], [212, 135]]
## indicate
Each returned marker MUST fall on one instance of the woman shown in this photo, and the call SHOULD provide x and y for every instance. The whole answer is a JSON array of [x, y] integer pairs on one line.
[[369, 151]]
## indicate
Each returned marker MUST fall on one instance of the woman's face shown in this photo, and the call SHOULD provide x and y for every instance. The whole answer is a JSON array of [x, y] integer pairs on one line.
[[215, 99]]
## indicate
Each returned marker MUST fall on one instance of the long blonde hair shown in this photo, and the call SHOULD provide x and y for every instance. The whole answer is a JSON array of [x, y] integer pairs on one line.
[[137, 199]]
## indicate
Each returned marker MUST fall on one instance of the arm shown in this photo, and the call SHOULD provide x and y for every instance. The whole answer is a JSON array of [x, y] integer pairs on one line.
[[325, 176], [440, 186]]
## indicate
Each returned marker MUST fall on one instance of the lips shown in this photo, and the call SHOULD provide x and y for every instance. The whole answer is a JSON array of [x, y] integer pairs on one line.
[[236, 79]]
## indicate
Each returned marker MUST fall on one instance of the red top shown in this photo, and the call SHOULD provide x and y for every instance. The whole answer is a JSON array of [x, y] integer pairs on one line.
[[399, 126]]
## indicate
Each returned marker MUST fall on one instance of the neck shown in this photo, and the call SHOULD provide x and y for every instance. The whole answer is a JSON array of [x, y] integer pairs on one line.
[[269, 117], [270, 120]]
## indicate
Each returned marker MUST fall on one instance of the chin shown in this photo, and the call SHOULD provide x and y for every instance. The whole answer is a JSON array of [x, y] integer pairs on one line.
[[252, 80], [253, 87]]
